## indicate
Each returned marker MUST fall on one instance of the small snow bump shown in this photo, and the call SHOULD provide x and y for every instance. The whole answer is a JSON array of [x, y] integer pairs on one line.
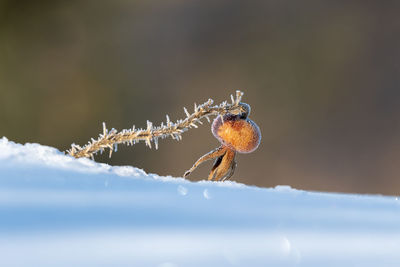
[[124, 171], [182, 190], [128, 171], [206, 194], [283, 188]]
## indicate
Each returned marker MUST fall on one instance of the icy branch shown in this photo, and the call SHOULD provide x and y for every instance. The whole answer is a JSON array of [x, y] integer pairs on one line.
[[110, 139]]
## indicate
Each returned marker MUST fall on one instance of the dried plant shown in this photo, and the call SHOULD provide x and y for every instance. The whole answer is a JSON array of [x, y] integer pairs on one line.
[[111, 139], [237, 134]]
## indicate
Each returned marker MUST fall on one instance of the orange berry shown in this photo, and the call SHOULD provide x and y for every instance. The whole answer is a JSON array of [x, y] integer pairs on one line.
[[237, 132]]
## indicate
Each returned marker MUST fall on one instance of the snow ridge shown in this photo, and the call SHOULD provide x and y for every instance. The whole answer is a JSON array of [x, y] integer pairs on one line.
[[56, 210]]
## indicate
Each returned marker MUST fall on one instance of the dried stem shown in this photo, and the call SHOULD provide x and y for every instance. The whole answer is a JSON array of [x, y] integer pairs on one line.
[[110, 139]]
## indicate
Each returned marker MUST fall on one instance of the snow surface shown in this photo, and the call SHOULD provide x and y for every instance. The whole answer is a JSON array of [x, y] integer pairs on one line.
[[59, 211]]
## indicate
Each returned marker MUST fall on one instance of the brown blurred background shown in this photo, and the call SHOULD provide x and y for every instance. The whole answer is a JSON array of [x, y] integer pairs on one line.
[[322, 78]]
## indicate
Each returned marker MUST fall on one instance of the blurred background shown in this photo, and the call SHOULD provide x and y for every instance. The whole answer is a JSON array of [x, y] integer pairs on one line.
[[322, 78]]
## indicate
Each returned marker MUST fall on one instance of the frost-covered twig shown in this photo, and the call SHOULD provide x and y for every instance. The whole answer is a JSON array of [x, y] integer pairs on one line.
[[110, 139]]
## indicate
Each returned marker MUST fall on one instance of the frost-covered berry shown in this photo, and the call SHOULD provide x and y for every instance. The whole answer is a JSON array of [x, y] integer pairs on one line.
[[237, 132]]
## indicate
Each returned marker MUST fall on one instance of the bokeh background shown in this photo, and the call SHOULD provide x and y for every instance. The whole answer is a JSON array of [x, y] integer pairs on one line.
[[322, 78]]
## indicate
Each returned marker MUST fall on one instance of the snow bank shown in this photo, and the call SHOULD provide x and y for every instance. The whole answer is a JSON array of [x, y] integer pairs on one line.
[[59, 211]]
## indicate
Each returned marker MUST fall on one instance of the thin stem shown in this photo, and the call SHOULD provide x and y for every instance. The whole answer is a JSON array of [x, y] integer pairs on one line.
[[111, 139]]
